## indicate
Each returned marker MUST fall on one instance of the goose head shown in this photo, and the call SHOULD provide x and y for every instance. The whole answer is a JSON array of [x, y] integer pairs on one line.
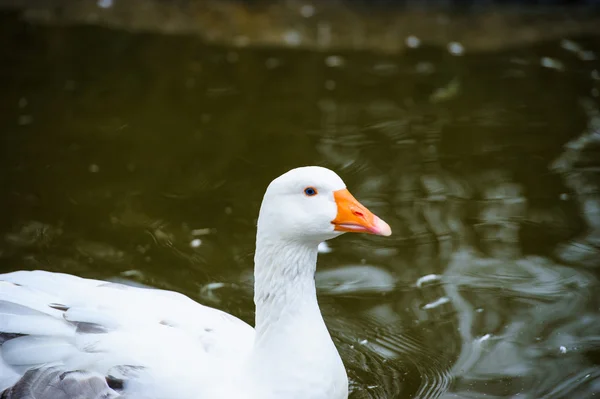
[[312, 204]]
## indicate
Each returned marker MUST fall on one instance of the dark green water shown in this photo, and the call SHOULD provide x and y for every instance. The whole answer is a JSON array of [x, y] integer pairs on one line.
[[144, 157]]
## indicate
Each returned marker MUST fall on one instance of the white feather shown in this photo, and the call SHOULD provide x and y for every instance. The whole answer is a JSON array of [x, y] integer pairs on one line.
[[33, 350], [34, 325], [162, 331]]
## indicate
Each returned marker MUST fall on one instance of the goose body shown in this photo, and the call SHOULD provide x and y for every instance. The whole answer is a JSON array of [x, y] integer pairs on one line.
[[92, 338]]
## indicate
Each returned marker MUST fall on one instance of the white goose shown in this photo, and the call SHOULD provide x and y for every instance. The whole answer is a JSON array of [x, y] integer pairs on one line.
[[156, 344]]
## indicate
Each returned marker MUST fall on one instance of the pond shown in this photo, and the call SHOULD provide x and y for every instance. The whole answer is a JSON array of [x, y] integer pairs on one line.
[[143, 158]]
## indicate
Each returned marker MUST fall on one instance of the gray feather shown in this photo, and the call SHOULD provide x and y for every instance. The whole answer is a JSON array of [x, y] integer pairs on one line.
[[54, 383]]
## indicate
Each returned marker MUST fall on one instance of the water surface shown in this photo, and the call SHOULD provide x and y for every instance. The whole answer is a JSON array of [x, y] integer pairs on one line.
[[143, 158]]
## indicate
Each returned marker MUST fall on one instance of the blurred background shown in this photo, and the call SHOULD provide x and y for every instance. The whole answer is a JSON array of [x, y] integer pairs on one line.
[[137, 138]]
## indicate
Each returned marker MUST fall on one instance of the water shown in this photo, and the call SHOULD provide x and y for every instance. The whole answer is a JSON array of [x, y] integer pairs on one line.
[[143, 158]]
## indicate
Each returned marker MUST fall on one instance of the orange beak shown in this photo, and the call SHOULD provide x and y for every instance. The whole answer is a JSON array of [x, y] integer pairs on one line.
[[352, 216]]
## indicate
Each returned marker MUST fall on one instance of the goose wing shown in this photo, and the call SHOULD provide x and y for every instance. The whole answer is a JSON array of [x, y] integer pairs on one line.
[[151, 343]]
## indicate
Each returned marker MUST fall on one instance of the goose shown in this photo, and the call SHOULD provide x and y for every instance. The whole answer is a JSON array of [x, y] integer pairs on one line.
[[61, 335]]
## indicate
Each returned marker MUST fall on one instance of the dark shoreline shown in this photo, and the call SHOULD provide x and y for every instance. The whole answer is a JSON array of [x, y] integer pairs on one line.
[[326, 26]]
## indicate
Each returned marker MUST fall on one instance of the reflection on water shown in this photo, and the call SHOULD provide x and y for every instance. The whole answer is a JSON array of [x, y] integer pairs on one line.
[[144, 158]]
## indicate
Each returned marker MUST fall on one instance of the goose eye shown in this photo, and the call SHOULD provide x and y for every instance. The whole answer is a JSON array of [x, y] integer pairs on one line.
[[310, 191]]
